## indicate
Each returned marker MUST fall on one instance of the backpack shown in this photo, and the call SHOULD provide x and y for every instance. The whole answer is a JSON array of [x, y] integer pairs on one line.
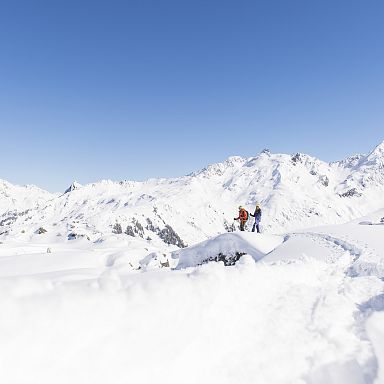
[[245, 215]]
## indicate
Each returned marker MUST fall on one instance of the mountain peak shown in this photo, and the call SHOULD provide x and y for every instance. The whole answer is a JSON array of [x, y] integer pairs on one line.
[[73, 186], [378, 151], [218, 169]]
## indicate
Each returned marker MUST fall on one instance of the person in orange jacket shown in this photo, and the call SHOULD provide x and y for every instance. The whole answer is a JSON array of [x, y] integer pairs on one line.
[[243, 217]]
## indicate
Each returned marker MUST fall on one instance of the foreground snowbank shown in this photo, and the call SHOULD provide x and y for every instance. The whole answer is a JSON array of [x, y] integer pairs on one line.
[[82, 314], [213, 324], [230, 245], [375, 329]]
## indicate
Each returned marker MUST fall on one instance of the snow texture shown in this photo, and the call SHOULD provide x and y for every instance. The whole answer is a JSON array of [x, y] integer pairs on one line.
[[98, 285]]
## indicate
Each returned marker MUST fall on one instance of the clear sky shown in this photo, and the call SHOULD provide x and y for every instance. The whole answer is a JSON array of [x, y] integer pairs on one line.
[[92, 90]]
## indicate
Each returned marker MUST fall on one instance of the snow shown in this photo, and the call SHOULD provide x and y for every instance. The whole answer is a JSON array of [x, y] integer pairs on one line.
[[228, 244], [303, 303], [294, 191], [21, 198], [234, 323], [375, 330], [75, 185]]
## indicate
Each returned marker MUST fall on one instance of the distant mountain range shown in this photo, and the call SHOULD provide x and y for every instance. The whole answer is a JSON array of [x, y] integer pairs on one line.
[[294, 191]]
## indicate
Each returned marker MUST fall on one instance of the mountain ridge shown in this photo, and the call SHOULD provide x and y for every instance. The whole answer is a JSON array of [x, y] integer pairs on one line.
[[295, 191]]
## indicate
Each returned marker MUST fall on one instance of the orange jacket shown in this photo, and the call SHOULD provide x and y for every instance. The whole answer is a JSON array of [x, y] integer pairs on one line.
[[243, 215]]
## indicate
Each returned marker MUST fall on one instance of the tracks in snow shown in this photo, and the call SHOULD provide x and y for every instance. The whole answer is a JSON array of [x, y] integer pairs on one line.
[[356, 267], [348, 262]]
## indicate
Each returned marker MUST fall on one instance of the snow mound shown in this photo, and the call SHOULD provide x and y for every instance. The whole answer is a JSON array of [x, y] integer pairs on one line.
[[375, 330], [227, 247]]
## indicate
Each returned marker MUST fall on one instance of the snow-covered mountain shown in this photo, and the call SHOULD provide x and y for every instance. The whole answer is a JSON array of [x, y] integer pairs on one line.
[[20, 198], [94, 282], [295, 191], [73, 186], [313, 307]]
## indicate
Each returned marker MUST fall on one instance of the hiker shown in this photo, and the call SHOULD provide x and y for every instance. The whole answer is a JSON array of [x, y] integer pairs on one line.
[[243, 217], [257, 216]]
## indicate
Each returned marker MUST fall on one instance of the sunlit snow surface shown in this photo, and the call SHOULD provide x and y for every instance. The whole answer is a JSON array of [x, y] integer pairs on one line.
[[83, 303], [294, 191], [301, 308]]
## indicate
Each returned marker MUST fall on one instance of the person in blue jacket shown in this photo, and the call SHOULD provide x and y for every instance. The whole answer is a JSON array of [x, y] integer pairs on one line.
[[257, 216]]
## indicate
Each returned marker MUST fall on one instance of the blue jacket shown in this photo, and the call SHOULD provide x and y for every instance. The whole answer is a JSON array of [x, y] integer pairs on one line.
[[257, 215]]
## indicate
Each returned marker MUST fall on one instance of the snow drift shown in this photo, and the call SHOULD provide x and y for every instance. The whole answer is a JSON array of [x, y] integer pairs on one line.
[[228, 247]]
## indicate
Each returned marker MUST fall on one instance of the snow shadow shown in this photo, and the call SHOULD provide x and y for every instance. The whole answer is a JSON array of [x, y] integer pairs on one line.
[[335, 373], [374, 304]]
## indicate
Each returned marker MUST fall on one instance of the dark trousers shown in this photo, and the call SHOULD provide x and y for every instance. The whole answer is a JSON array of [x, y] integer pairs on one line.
[[242, 225], [257, 227]]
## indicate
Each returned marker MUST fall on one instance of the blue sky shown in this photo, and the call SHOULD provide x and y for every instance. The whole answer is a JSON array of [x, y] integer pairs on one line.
[[136, 89]]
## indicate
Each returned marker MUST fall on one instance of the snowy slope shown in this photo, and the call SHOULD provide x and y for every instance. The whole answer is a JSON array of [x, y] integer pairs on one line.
[[302, 314], [20, 198], [229, 246], [82, 302], [295, 192]]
